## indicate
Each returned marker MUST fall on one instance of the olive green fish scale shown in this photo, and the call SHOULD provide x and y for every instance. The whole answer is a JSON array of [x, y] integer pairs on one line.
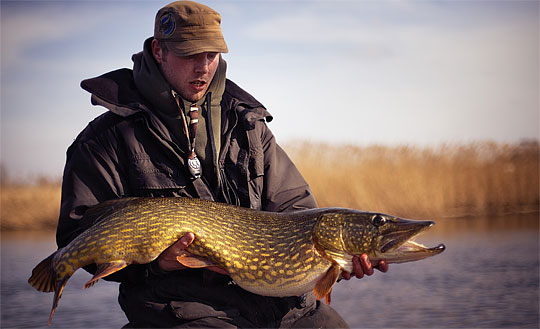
[[273, 254], [243, 242]]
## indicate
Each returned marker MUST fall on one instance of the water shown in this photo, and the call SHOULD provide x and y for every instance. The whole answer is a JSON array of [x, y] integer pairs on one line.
[[487, 278]]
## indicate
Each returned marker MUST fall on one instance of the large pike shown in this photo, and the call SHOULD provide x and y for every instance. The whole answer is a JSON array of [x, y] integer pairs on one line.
[[267, 253]]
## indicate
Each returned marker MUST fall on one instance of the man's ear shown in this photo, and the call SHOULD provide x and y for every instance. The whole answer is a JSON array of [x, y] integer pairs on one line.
[[157, 51]]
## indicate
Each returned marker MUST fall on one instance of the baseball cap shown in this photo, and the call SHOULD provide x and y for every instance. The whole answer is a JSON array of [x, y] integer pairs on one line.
[[189, 28]]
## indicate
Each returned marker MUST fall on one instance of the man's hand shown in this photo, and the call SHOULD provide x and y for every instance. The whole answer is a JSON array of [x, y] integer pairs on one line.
[[167, 259], [362, 266]]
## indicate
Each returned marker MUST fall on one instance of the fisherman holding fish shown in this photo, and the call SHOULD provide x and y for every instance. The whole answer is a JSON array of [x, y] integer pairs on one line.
[[176, 126]]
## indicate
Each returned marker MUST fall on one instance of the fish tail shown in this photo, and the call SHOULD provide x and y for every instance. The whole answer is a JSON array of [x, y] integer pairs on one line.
[[43, 276]]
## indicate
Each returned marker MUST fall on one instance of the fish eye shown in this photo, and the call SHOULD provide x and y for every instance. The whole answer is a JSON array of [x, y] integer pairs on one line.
[[378, 220]]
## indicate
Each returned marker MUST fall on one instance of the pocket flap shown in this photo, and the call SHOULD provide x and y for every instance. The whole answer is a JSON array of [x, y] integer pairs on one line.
[[147, 174], [194, 310]]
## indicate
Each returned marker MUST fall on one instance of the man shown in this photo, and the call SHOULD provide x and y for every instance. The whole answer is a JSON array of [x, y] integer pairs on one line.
[[177, 127]]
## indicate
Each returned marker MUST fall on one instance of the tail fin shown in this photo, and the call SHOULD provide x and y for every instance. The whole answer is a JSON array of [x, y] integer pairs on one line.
[[43, 277]]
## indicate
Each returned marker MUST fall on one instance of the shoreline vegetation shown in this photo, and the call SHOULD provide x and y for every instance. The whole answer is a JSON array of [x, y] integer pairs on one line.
[[447, 181]]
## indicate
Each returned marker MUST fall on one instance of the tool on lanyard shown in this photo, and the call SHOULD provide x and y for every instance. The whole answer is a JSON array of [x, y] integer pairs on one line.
[[192, 162]]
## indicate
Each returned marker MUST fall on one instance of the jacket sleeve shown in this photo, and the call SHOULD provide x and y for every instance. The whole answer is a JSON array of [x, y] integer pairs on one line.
[[284, 187], [91, 175], [87, 181]]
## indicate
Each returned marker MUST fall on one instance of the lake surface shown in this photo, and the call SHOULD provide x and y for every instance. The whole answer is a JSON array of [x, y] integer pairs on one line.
[[488, 277]]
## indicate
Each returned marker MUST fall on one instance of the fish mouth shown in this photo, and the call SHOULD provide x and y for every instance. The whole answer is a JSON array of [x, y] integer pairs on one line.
[[402, 232], [398, 246], [412, 250]]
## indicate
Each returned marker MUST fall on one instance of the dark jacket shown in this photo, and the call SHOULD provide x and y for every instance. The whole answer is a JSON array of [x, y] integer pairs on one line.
[[128, 151], [138, 148]]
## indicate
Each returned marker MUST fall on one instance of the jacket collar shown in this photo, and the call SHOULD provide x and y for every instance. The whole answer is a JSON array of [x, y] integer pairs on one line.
[[115, 91], [248, 108]]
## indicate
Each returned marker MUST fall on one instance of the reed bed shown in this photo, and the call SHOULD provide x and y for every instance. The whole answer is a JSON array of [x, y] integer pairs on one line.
[[446, 181], [29, 206]]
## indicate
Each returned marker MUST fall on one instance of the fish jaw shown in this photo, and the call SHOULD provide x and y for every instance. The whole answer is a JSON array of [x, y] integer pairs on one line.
[[397, 245], [409, 251]]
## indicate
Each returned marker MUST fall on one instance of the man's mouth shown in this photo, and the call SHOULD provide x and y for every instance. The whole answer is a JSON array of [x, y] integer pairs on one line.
[[198, 84]]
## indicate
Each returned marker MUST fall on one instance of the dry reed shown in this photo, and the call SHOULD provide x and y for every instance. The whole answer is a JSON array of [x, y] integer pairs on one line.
[[447, 181], [29, 206]]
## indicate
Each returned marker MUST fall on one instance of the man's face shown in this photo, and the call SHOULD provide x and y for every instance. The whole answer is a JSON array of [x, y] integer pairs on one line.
[[190, 76]]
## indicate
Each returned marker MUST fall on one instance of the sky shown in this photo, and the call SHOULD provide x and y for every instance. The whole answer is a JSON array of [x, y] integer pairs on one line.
[[408, 72]]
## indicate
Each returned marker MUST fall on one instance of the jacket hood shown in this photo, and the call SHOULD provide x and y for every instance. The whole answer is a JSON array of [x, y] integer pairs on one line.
[[115, 91], [151, 83]]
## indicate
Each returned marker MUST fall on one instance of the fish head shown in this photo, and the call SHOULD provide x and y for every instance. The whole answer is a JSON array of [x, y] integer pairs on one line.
[[343, 233]]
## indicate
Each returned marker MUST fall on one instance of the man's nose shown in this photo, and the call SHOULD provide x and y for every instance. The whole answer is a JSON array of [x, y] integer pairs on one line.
[[202, 63]]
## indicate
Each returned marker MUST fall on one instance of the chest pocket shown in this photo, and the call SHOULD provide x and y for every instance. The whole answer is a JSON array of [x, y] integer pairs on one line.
[[145, 174]]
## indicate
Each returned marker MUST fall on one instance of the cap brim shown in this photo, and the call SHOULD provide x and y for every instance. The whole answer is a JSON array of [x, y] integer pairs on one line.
[[193, 47]]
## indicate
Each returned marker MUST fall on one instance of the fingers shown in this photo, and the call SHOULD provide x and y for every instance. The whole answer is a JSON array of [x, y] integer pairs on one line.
[[167, 260], [382, 266], [346, 275], [185, 241], [362, 266], [177, 248], [366, 264]]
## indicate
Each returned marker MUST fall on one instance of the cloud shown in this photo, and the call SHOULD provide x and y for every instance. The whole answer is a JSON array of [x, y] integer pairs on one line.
[[388, 28], [26, 26], [311, 26], [449, 70]]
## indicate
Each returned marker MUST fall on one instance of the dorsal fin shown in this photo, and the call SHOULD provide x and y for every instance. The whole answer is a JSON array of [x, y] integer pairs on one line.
[[102, 210]]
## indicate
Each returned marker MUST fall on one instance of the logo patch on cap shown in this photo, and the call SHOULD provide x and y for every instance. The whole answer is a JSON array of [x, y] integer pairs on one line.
[[167, 25]]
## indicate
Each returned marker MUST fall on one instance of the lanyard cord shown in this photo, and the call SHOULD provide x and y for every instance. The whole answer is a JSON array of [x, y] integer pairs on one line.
[[193, 163], [191, 131]]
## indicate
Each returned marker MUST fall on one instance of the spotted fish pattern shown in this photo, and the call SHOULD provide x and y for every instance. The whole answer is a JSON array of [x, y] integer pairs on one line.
[[272, 254]]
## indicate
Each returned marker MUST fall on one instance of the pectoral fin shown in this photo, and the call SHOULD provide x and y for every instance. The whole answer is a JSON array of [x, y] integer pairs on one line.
[[105, 269], [60, 284], [323, 287], [344, 260], [193, 261]]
